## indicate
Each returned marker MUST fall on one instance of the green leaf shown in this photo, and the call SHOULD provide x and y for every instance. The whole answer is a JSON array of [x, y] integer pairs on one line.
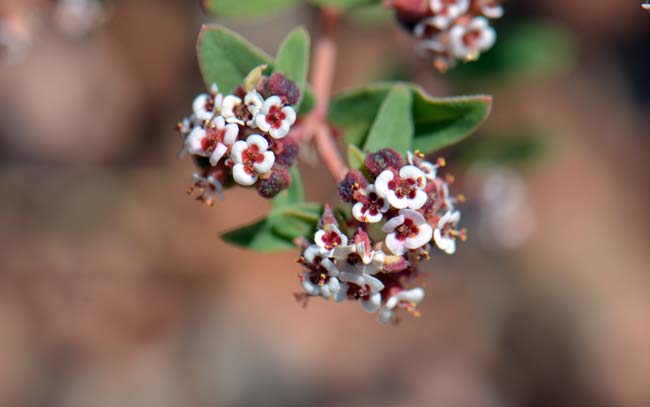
[[245, 8], [355, 157], [513, 148], [393, 125], [343, 4], [438, 122], [308, 102], [293, 58], [225, 58], [258, 236]]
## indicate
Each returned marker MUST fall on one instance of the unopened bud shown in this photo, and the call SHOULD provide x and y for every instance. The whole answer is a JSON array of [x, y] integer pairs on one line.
[[278, 180], [352, 182], [280, 85], [383, 160]]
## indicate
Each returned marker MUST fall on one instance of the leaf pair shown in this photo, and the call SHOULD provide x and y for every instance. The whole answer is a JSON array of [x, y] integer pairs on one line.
[[403, 117], [225, 58]]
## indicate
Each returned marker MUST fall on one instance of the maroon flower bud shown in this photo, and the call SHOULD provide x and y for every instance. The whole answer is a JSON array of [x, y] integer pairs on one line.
[[383, 160], [328, 217], [277, 180], [286, 150], [353, 181], [410, 12], [280, 85]]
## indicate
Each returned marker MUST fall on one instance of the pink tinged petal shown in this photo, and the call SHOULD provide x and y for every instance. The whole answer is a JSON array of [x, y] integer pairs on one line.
[[393, 223], [381, 183], [494, 11], [218, 152], [376, 218], [270, 102], [237, 151], [419, 200], [395, 263], [242, 177], [261, 122], [385, 316], [289, 115], [395, 245], [358, 213], [259, 141], [311, 253], [445, 244], [198, 107], [193, 142], [318, 237], [353, 278], [232, 131], [397, 202], [373, 303], [265, 166], [280, 132], [416, 217], [425, 233], [342, 252], [413, 172]]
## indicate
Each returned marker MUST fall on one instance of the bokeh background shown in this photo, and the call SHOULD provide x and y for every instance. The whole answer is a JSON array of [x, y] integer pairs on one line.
[[115, 289]]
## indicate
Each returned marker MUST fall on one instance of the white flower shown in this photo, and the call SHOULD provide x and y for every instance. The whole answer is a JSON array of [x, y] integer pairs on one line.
[[492, 9], [403, 190], [212, 142], [445, 233], [325, 286], [275, 118], [242, 113], [445, 12], [405, 298], [314, 257], [251, 158], [332, 242], [371, 207], [209, 187], [468, 41], [428, 168], [365, 288], [407, 231], [206, 105]]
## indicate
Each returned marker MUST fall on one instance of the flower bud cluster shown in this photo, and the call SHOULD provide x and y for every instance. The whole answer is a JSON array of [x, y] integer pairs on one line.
[[399, 210], [243, 138], [450, 30]]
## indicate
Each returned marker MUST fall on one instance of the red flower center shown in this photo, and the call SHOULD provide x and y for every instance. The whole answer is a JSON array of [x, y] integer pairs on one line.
[[471, 37], [250, 156], [405, 187], [275, 117], [373, 204], [332, 239], [406, 230], [212, 137]]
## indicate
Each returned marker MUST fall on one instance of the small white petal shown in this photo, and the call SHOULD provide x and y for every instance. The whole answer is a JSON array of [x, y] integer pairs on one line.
[[237, 151], [373, 303], [280, 132], [309, 287], [395, 201], [423, 237], [193, 142], [311, 253], [262, 124], [231, 133], [354, 278], [242, 177], [393, 223], [396, 246], [341, 294], [343, 251], [416, 217], [270, 102], [385, 316], [419, 200], [318, 237], [329, 266], [375, 284], [290, 115], [218, 152], [259, 141], [265, 166], [413, 172], [358, 213], [381, 183]]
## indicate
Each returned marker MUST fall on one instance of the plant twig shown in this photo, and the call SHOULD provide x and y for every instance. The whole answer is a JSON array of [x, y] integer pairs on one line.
[[322, 77]]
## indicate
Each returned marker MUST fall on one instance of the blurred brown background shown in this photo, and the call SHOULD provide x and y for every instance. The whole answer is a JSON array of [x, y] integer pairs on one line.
[[116, 291]]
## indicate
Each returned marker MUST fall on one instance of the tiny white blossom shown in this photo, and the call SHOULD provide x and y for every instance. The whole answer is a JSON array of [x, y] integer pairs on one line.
[[445, 12], [407, 231], [212, 142], [368, 289], [371, 207], [275, 118], [234, 110], [430, 169], [405, 298], [492, 9], [210, 188], [469, 40], [445, 234], [251, 158], [314, 256], [332, 242], [404, 189], [327, 287], [206, 105]]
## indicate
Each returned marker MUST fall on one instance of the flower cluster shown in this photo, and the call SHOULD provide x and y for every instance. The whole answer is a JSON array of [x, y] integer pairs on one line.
[[399, 210], [243, 137], [450, 30]]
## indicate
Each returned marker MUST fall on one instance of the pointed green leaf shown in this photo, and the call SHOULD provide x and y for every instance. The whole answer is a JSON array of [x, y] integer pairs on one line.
[[393, 125], [245, 8], [293, 57], [308, 102], [225, 58], [258, 236], [438, 122]]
